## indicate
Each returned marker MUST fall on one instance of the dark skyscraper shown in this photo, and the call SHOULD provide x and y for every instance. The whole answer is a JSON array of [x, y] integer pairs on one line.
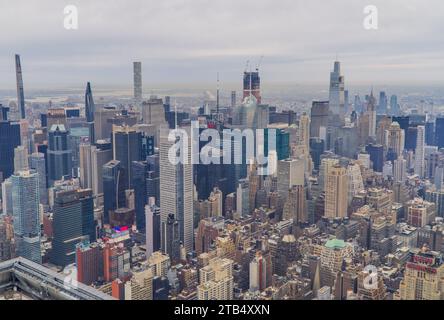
[[20, 91], [9, 140], [171, 238], [252, 84], [127, 147], [376, 152], [59, 153], [89, 104], [317, 148], [439, 132], [73, 223], [430, 133], [382, 106], [139, 183], [410, 138], [113, 188], [89, 111]]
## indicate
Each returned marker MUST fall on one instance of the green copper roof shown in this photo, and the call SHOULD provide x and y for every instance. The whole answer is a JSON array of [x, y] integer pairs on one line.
[[335, 244]]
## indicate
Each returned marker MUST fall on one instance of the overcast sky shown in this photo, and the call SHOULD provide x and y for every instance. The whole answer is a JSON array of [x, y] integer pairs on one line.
[[181, 41]]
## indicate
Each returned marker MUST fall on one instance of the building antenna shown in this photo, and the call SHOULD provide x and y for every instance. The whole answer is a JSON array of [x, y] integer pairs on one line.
[[251, 84], [175, 114], [217, 94]]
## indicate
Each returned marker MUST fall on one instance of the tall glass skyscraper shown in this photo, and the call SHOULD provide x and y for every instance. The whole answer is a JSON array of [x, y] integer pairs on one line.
[[176, 191], [113, 188], [20, 91], [25, 208], [336, 95], [59, 153], [38, 163]]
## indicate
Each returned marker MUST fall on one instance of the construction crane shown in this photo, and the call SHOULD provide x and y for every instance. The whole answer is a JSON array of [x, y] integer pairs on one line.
[[247, 65], [259, 63]]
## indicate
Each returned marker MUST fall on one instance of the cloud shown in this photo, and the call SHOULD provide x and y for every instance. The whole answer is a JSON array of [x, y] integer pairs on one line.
[[191, 40]]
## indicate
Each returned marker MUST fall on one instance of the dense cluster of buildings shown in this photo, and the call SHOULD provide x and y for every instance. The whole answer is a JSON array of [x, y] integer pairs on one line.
[[349, 205]]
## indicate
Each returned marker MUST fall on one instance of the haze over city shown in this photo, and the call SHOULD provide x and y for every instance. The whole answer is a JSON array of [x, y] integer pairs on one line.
[[188, 42]]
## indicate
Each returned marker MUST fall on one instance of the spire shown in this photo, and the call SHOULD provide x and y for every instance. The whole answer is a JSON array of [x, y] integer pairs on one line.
[[175, 114], [217, 94], [20, 90]]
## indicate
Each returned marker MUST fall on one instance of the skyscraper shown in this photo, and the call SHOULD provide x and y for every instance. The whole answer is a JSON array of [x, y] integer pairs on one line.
[[73, 222], [153, 112], [252, 85], [113, 177], [20, 91], [153, 227], [336, 93], [38, 163], [419, 152], [21, 159], [395, 138], [139, 184], [89, 111], [176, 190], [101, 153], [394, 106], [382, 106], [25, 207], [171, 238], [371, 111], [304, 131], [376, 152], [295, 207], [85, 165], [336, 192], [400, 169], [258, 273], [59, 153], [290, 173], [319, 119], [137, 73], [439, 129], [89, 104], [127, 147], [9, 140], [233, 100]]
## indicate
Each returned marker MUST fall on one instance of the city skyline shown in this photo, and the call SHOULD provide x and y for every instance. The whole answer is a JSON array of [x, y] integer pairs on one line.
[[253, 178]]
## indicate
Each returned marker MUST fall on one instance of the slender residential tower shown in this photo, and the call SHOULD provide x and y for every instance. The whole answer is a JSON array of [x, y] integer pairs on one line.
[[137, 73], [89, 111], [20, 92]]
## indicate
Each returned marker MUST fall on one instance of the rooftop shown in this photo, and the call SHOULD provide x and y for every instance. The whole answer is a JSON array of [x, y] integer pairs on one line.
[[335, 244]]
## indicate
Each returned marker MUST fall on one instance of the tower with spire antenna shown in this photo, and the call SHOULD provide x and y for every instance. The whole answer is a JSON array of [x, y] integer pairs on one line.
[[336, 92], [371, 111], [252, 83]]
